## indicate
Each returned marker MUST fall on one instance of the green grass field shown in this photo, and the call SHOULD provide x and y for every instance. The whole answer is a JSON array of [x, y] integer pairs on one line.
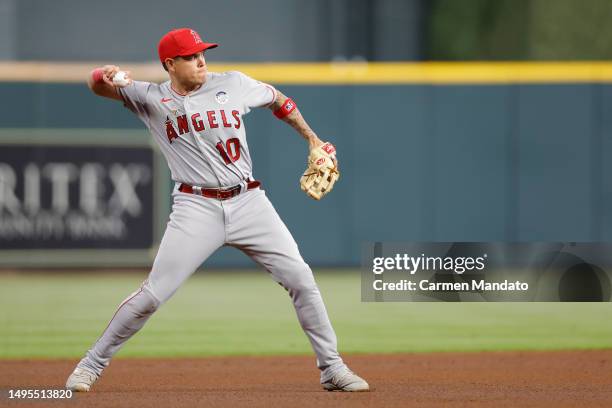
[[224, 313]]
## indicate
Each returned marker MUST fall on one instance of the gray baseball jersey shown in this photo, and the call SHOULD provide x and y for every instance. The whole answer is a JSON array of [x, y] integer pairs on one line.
[[202, 135]]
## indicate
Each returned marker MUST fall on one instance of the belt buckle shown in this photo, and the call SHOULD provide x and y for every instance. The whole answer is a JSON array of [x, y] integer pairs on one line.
[[196, 190], [229, 191]]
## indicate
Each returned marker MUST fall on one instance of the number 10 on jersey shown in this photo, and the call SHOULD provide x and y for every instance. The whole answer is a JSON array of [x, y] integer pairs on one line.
[[231, 151]]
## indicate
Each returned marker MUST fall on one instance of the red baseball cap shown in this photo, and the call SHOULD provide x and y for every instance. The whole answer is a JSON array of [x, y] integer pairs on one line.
[[181, 42]]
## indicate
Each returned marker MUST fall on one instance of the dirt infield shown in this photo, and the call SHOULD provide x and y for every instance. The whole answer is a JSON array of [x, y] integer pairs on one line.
[[499, 379]]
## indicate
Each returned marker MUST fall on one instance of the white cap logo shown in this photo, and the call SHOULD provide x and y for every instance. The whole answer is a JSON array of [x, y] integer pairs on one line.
[[196, 37]]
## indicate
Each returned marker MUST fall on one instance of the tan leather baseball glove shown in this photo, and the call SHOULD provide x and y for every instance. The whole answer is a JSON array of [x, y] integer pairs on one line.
[[321, 174]]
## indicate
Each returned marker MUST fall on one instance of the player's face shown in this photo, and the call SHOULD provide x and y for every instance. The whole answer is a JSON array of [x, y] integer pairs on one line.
[[190, 69]]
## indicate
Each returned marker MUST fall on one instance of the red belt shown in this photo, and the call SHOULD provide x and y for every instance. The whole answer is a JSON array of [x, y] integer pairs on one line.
[[218, 193]]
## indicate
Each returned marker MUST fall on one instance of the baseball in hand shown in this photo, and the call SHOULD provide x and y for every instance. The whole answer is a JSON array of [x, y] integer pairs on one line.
[[121, 79]]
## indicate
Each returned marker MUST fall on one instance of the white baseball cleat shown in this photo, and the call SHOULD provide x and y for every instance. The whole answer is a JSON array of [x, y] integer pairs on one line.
[[81, 380], [346, 381]]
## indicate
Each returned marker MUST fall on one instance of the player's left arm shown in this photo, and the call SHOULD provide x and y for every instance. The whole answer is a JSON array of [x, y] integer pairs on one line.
[[293, 116], [296, 121], [322, 167]]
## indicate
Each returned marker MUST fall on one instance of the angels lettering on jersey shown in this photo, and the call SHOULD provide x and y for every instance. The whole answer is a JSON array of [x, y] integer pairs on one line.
[[214, 119], [202, 134]]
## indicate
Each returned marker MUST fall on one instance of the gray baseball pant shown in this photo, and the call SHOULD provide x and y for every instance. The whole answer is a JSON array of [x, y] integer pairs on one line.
[[198, 226]]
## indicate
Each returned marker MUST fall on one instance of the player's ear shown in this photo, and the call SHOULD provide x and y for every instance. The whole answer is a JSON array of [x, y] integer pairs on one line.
[[169, 65]]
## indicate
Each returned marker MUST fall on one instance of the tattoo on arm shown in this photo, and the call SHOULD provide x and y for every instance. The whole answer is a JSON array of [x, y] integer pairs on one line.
[[294, 119]]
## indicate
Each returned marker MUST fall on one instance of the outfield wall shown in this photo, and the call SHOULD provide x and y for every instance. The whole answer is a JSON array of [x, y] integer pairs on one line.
[[491, 158]]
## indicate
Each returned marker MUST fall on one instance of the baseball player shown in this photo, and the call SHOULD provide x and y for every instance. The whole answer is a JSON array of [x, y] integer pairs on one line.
[[197, 119]]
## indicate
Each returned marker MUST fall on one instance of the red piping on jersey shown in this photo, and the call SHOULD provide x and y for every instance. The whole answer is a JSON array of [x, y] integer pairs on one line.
[[175, 91], [119, 308], [180, 94], [274, 94]]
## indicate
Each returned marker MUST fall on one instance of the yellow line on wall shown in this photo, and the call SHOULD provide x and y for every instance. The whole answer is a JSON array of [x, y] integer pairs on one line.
[[342, 73]]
